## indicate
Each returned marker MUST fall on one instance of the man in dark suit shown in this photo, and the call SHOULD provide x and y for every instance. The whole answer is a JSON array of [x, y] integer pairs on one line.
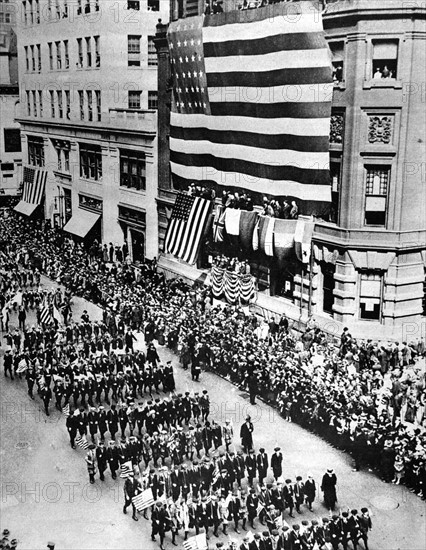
[[276, 463], [252, 502], [202, 517], [299, 493], [262, 465], [365, 525], [354, 528], [234, 507], [158, 522], [310, 490], [288, 494], [251, 467]]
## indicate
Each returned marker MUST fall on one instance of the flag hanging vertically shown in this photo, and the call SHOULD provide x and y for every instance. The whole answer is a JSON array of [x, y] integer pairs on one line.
[[33, 186], [186, 227], [252, 95], [46, 316]]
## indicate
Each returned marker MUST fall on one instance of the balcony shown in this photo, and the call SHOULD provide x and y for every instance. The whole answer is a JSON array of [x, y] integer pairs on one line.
[[132, 119]]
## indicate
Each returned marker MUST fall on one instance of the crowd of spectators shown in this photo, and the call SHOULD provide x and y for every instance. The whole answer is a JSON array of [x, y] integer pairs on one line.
[[363, 396]]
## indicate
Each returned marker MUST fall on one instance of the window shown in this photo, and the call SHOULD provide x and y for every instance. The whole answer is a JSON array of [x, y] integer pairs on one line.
[[376, 191], [67, 104], [370, 295], [60, 105], [12, 140], [134, 50], [153, 5], [35, 151], [33, 59], [89, 105], [87, 7], [79, 11], [62, 149], [385, 59], [34, 103], [65, 12], [58, 10], [37, 11], [90, 161], [27, 60], [52, 104], [133, 169], [135, 99], [98, 105], [49, 8], [88, 51], [335, 191], [28, 104], [81, 103], [30, 5], [133, 5], [66, 55], [24, 9], [152, 52], [80, 53], [152, 100], [50, 46], [328, 271], [38, 57], [58, 56], [97, 51], [40, 102]]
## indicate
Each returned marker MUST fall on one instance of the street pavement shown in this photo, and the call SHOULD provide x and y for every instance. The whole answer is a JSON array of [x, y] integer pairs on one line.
[[46, 495]]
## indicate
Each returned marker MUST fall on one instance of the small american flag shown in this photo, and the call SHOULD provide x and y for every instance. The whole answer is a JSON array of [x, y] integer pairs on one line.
[[66, 410], [45, 314], [186, 227], [260, 507], [143, 500], [196, 543], [126, 469], [82, 442], [22, 366]]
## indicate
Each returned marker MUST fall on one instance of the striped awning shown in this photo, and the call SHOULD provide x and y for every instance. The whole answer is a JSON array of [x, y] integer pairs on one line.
[[81, 223], [26, 208]]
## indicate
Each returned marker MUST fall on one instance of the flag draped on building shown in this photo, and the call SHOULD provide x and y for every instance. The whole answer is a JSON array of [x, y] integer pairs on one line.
[[33, 186], [186, 227], [251, 105]]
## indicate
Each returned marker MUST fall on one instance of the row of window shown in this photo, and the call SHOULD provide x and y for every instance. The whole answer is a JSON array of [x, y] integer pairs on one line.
[[134, 51], [31, 12], [88, 54], [33, 58], [134, 98], [90, 105], [384, 60], [132, 163], [59, 57], [59, 103]]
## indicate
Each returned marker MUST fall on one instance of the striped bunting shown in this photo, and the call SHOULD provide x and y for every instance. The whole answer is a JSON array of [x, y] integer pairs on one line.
[[34, 182], [82, 442], [143, 500], [252, 102], [46, 316], [186, 227], [126, 469], [233, 286]]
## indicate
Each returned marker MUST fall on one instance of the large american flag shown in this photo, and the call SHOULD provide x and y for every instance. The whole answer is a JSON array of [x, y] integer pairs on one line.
[[252, 93], [34, 182], [186, 227]]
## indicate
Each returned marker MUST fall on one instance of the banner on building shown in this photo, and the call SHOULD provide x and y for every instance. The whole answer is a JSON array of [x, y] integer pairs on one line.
[[252, 102]]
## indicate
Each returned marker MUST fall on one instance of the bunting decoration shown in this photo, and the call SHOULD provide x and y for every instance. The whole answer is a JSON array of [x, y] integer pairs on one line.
[[233, 286]]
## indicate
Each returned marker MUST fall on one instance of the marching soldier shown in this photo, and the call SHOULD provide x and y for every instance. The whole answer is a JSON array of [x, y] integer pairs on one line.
[[102, 459], [299, 494], [72, 426], [276, 463], [91, 462], [288, 494], [112, 458], [131, 489], [365, 525], [262, 465], [92, 420], [250, 465]]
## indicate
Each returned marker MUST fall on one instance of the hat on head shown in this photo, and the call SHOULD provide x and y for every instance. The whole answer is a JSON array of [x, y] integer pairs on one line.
[[364, 510], [277, 449], [296, 526], [265, 533], [299, 478]]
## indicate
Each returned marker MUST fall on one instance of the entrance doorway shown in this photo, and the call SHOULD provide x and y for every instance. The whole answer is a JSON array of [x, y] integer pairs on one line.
[[137, 239]]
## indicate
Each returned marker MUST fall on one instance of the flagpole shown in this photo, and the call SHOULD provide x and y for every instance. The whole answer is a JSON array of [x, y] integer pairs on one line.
[[311, 265]]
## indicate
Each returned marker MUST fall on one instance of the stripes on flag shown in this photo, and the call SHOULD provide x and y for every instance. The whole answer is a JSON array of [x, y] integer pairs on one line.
[[22, 366], [66, 410], [34, 182], [260, 507], [82, 442], [252, 102], [186, 227], [143, 500], [199, 542], [46, 316], [126, 469]]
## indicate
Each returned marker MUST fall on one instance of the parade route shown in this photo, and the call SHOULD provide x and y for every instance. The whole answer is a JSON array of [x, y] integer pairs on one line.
[[46, 496]]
